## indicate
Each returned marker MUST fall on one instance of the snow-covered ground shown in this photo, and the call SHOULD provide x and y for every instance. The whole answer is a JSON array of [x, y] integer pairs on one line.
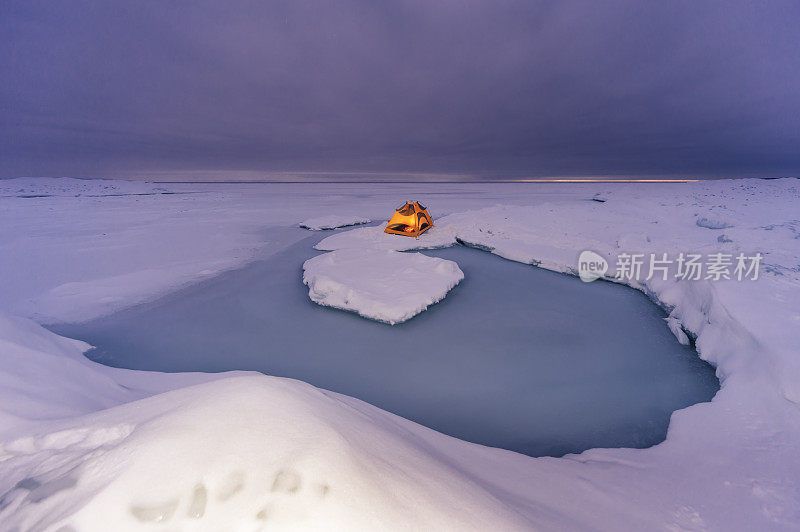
[[97, 448]]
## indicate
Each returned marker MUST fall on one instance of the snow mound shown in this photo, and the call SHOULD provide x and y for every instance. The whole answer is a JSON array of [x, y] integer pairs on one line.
[[241, 453], [333, 221], [387, 286], [374, 238]]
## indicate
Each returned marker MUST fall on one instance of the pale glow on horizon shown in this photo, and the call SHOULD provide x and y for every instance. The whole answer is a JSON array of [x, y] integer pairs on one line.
[[597, 180]]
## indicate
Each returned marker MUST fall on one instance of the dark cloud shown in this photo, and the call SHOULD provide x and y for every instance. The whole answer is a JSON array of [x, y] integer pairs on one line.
[[492, 88]]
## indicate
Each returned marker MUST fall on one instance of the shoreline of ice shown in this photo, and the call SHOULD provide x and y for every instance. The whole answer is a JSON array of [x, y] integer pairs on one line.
[[65, 422], [333, 221]]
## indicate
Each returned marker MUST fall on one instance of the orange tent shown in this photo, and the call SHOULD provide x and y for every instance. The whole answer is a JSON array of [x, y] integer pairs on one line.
[[412, 219]]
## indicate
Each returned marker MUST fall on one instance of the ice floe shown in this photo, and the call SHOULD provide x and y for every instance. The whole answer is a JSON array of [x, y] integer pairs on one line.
[[387, 286]]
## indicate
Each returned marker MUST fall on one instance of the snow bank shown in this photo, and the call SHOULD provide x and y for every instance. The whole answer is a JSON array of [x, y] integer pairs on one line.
[[45, 376], [386, 286], [333, 221]]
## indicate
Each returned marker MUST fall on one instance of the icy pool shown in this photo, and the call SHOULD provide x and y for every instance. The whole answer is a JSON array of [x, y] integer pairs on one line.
[[514, 357]]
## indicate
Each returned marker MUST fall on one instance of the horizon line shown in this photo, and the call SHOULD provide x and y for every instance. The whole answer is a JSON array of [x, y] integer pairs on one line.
[[396, 181]]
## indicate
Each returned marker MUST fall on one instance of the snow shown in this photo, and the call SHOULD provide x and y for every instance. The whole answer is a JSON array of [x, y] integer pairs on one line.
[[387, 286], [46, 377], [333, 221], [240, 453], [376, 238], [97, 448]]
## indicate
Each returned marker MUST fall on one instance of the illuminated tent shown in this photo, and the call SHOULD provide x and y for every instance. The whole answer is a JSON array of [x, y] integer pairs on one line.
[[412, 219]]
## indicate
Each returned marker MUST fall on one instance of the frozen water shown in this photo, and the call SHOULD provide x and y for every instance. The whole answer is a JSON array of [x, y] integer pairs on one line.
[[514, 357]]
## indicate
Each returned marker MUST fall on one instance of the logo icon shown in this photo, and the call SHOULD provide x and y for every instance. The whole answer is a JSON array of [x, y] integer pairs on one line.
[[591, 266]]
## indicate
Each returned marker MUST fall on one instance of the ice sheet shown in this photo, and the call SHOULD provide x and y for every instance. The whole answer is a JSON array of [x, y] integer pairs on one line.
[[730, 464]]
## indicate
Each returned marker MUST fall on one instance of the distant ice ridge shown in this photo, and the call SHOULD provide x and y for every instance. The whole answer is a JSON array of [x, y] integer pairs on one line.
[[387, 286], [43, 187], [333, 221]]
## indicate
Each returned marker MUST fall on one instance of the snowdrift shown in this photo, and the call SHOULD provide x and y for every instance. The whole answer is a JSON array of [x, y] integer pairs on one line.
[[240, 453]]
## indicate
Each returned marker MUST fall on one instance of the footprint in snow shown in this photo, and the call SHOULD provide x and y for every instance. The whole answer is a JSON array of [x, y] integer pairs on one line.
[[288, 496]]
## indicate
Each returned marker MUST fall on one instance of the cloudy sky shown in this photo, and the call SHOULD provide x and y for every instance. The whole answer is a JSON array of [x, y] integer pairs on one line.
[[494, 88]]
